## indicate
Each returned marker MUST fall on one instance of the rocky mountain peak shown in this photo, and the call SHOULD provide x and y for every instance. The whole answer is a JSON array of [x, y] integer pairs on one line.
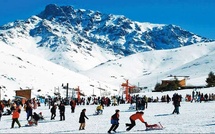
[[53, 10]]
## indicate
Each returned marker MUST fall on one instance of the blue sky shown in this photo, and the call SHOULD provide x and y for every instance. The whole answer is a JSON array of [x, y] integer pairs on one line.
[[197, 16]]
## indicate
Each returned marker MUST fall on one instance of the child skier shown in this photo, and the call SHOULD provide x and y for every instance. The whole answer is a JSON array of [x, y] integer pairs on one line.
[[114, 121]]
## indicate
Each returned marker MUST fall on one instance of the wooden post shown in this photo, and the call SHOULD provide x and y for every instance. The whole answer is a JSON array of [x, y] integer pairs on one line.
[[0, 92], [126, 91], [67, 90]]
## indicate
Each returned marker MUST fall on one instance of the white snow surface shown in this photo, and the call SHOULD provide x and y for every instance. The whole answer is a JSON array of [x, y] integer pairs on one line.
[[193, 118]]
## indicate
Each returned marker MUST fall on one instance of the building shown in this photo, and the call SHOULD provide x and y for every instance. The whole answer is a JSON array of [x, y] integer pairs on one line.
[[181, 80], [25, 93]]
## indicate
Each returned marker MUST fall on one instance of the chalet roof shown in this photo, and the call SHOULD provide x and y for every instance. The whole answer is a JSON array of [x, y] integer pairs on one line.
[[22, 89], [173, 78]]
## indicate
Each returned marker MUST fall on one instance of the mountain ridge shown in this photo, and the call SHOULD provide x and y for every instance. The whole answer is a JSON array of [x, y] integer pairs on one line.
[[65, 32]]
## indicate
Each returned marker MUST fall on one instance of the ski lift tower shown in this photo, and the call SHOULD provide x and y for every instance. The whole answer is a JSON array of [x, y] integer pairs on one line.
[[67, 89], [127, 88], [78, 93]]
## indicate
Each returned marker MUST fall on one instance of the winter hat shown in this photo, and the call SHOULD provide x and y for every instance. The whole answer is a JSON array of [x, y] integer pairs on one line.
[[117, 110], [141, 112]]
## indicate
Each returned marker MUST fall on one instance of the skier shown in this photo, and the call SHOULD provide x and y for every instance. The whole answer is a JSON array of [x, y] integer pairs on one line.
[[7, 112], [53, 112], [168, 98], [29, 109], [137, 115], [72, 104], [176, 102], [16, 111], [82, 119], [146, 101], [99, 109], [41, 116], [114, 121], [1, 110], [34, 119], [62, 111], [193, 96]]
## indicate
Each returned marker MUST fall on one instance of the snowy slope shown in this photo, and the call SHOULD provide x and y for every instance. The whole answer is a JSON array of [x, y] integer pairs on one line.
[[22, 70], [148, 68]]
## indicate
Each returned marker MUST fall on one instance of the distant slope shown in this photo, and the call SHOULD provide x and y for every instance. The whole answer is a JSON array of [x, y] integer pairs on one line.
[[22, 70], [148, 68]]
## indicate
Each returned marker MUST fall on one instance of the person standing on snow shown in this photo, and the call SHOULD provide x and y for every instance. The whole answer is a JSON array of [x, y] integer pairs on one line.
[[72, 104], [53, 112], [114, 121], [146, 101], [168, 98], [137, 115], [16, 111], [29, 109], [82, 119], [1, 109], [62, 111], [176, 102]]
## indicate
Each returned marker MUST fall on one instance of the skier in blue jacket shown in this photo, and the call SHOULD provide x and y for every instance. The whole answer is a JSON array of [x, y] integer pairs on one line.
[[114, 121]]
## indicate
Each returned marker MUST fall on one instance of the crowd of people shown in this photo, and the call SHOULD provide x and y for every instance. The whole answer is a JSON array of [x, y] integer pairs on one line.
[[139, 103], [14, 108], [197, 96]]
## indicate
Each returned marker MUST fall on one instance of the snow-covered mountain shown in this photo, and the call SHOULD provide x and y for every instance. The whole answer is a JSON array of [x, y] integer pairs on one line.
[[20, 69], [62, 34], [97, 51], [147, 68]]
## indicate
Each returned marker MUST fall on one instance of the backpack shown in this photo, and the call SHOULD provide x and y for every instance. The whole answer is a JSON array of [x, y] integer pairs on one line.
[[114, 120]]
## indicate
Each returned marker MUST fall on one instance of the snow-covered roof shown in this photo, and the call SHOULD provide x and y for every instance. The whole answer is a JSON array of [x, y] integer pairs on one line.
[[173, 78]]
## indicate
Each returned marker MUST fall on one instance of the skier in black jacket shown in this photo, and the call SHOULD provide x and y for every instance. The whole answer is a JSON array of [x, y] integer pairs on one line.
[[62, 111], [53, 112], [82, 119], [176, 102]]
